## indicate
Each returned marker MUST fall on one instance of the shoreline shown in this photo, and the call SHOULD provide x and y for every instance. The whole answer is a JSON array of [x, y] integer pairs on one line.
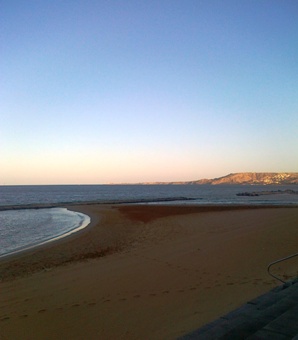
[[176, 201], [145, 271], [24, 256], [156, 211], [155, 206], [85, 221], [101, 202]]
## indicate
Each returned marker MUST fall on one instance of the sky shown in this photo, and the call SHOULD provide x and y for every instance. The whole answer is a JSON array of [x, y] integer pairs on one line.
[[98, 91]]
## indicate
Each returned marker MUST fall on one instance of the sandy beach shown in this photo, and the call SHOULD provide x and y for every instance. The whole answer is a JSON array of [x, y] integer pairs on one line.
[[145, 271]]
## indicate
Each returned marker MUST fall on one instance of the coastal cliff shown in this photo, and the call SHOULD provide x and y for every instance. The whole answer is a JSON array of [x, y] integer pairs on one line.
[[249, 178], [261, 178]]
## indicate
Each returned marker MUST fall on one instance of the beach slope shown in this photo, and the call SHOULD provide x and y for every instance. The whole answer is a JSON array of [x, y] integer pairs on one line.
[[145, 271]]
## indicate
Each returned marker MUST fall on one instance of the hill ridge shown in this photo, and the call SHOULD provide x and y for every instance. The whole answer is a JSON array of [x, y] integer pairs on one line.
[[253, 178]]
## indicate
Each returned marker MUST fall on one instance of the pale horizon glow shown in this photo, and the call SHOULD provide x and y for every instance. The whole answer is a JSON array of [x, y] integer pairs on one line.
[[98, 92]]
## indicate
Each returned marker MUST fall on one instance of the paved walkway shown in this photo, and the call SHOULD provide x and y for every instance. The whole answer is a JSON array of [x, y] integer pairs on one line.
[[273, 315]]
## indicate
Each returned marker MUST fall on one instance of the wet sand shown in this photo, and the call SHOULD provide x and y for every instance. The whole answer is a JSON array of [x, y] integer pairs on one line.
[[145, 272]]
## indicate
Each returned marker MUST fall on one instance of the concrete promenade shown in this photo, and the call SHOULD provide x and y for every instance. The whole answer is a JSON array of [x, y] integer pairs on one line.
[[273, 315]]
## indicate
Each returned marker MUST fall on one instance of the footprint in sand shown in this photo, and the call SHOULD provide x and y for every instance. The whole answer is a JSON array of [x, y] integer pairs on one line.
[[76, 305], [266, 283], [165, 292], [137, 296], [23, 316], [42, 311], [5, 318], [91, 303]]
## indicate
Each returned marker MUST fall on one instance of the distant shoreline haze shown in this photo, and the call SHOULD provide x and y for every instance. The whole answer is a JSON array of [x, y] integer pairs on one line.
[[248, 178]]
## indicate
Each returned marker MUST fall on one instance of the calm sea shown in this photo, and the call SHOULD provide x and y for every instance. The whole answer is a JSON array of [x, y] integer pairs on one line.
[[22, 228]]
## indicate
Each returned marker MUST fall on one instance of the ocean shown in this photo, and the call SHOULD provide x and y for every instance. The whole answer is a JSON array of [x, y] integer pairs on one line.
[[22, 225]]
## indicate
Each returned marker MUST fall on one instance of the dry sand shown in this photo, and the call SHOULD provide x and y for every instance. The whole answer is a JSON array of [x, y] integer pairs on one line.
[[145, 272]]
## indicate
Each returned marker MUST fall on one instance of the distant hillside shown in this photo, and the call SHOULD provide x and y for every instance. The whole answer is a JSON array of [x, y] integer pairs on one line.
[[253, 178]]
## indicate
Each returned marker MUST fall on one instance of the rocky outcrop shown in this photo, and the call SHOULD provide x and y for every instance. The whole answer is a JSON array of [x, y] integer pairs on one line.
[[271, 192]]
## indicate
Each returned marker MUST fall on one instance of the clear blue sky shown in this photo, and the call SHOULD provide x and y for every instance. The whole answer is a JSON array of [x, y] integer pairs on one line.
[[98, 91]]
